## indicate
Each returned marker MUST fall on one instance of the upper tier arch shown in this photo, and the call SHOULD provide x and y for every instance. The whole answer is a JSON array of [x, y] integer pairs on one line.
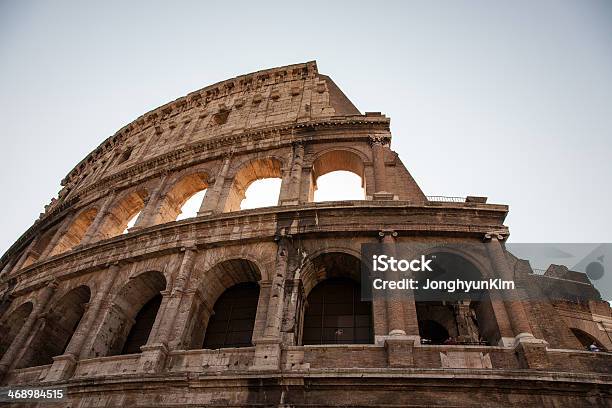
[[283, 95]]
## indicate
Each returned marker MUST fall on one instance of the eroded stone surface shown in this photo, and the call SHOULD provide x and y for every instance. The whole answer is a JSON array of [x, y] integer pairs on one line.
[[75, 278]]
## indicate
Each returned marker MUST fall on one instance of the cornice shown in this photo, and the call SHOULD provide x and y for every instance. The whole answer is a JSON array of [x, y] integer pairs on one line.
[[300, 133], [262, 224], [251, 81]]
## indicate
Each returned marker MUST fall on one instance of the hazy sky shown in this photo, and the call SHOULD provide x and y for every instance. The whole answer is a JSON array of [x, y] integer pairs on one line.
[[511, 100]]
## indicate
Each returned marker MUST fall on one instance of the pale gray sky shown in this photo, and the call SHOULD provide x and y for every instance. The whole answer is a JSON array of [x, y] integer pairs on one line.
[[511, 100]]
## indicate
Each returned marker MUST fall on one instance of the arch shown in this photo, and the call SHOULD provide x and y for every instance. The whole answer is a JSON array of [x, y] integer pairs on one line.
[[336, 160], [12, 323], [339, 158], [179, 193], [474, 253], [433, 331], [60, 323], [330, 263], [233, 318], [143, 323], [131, 316], [449, 266], [339, 185], [214, 283], [38, 246], [335, 314], [331, 277], [586, 339], [467, 318], [75, 232], [117, 219], [257, 169]]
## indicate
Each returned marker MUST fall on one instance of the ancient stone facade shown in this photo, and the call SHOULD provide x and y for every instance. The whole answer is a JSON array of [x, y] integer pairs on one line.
[[225, 309]]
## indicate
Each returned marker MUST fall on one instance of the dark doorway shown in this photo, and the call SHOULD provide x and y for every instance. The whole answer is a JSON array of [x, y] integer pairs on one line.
[[433, 331], [233, 320], [139, 334], [335, 314]]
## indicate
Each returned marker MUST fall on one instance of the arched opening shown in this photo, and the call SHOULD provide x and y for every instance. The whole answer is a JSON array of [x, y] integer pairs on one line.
[[233, 319], [261, 193], [466, 318], [184, 199], [433, 331], [337, 175], [11, 325], [36, 250], [129, 322], [139, 333], [131, 222], [586, 340], [192, 206], [75, 232], [57, 329], [265, 193], [122, 215], [436, 322], [334, 312], [339, 185], [224, 308]]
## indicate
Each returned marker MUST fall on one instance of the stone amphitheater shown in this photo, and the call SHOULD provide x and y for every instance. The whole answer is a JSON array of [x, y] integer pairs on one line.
[[262, 307]]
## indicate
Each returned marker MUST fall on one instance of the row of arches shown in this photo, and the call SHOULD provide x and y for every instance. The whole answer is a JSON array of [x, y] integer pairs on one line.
[[335, 175], [224, 310]]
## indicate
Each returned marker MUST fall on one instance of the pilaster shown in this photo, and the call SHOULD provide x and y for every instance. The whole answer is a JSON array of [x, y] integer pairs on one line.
[[63, 366], [147, 216], [381, 186], [92, 231], [211, 203], [268, 347], [11, 356], [290, 191], [513, 304]]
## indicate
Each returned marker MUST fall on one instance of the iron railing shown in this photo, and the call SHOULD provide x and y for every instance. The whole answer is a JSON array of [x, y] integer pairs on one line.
[[445, 199]]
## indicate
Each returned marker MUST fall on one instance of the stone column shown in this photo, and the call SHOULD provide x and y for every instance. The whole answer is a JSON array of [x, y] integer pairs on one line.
[[466, 329], [61, 231], [294, 305], [6, 298], [381, 185], [501, 317], [402, 322], [516, 312], [155, 352], [92, 231], [63, 366], [7, 268], [267, 348], [395, 308], [262, 310], [25, 254], [530, 352], [291, 193], [175, 300], [10, 358], [211, 204], [147, 216]]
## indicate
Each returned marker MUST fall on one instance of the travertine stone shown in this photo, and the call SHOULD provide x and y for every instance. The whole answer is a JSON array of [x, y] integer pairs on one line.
[[132, 312]]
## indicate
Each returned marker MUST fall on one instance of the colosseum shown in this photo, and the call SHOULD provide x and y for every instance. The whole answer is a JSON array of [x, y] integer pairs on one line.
[[262, 307]]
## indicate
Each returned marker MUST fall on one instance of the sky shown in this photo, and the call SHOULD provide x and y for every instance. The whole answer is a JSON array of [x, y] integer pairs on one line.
[[509, 100]]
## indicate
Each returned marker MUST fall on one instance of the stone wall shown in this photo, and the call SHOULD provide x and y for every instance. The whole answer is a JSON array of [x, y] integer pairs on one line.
[[75, 277]]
